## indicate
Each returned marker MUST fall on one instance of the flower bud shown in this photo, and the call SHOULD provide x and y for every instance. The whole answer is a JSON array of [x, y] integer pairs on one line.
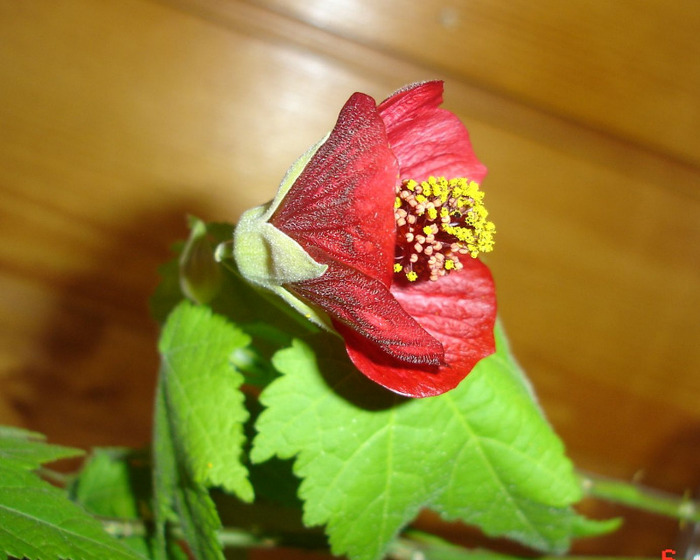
[[200, 274]]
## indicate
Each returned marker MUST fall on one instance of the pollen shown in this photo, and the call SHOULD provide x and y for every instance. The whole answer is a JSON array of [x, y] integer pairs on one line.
[[440, 223]]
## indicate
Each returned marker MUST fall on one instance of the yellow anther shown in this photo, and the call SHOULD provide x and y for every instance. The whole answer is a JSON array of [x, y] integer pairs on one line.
[[439, 222]]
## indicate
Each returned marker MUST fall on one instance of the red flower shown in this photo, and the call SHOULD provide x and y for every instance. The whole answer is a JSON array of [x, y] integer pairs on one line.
[[389, 206]]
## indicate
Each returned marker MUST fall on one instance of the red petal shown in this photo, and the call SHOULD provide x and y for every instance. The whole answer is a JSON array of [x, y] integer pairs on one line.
[[428, 140], [342, 204], [341, 211], [459, 310], [366, 308]]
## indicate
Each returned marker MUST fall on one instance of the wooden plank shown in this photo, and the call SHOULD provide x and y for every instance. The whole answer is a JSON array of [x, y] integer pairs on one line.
[[119, 117], [629, 68]]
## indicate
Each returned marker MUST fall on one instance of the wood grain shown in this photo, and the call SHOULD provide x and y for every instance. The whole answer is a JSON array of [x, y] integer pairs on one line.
[[118, 118], [629, 67]]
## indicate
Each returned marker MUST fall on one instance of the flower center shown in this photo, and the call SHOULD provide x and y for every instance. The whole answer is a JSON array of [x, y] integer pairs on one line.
[[439, 222]]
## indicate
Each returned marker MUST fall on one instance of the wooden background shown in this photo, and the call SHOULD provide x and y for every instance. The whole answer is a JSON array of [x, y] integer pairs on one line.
[[119, 117]]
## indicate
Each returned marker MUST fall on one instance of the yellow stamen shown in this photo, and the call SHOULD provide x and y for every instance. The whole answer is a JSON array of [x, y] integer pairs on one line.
[[438, 222]]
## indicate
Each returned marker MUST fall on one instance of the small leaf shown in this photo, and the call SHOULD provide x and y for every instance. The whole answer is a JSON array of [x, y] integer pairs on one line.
[[199, 437], [179, 498], [27, 450], [370, 460], [205, 407], [584, 527], [37, 521], [115, 483]]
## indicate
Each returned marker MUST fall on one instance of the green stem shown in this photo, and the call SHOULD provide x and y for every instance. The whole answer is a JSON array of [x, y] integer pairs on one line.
[[238, 538], [419, 545], [416, 544], [228, 536], [640, 497], [58, 478], [124, 528]]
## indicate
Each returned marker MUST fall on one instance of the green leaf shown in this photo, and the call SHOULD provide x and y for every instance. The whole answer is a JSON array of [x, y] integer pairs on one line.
[[115, 483], [37, 521], [178, 498], [27, 450], [106, 485], [199, 438], [584, 527], [370, 460], [205, 406]]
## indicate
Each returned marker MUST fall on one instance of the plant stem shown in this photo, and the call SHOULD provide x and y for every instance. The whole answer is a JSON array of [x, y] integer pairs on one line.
[[640, 497], [58, 478], [417, 545], [228, 536], [124, 528]]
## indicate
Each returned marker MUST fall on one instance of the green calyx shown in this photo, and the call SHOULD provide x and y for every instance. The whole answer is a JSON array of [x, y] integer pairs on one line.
[[268, 258]]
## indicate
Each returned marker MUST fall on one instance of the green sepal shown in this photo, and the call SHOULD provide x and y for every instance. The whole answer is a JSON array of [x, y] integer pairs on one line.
[[268, 258]]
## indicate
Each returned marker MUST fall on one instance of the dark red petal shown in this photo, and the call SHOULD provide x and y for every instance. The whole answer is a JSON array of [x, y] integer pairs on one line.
[[342, 205], [341, 211], [366, 308], [459, 310], [428, 140]]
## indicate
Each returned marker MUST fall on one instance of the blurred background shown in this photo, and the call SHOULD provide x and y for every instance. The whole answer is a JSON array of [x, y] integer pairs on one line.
[[119, 117]]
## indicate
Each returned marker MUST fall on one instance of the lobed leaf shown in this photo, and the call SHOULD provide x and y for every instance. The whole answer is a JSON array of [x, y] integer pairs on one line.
[[482, 453], [179, 498], [199, 438], [196, 347], [37, 520]]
